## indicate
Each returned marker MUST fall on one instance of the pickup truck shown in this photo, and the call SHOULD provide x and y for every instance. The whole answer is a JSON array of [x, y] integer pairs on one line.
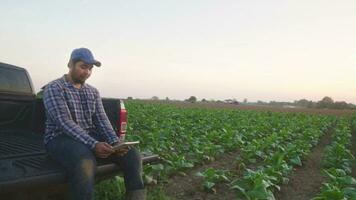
[[26, 171]]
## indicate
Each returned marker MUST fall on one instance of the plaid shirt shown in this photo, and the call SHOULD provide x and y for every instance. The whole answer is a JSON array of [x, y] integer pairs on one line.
[[75, 112]]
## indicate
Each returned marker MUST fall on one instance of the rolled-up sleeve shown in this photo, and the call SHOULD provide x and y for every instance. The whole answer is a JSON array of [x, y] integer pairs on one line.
[[57, 109]]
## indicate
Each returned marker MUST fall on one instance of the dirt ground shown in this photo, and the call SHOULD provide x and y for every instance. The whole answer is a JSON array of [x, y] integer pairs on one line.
[[189, 187], [305, 181]]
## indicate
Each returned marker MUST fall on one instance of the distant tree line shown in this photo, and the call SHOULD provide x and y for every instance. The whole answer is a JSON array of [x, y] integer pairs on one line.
[[326, 102]]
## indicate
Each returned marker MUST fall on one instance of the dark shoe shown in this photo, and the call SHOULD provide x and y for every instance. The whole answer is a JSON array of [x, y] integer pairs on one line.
[[136, 195]]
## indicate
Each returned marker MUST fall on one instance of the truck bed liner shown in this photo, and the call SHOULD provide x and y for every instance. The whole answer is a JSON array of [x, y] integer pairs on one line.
[[25, 164], [17, 143]]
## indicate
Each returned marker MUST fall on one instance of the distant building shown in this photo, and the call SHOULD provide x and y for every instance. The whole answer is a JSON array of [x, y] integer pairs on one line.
[[231, 101], [288, 106]]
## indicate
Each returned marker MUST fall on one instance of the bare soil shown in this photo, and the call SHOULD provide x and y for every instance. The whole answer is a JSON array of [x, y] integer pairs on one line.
[[305, 181], [190, 186]]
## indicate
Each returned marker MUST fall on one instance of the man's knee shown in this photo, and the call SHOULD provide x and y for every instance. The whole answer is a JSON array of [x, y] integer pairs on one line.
[[131, 160], [88, 167], [85, 169], [133, 155]]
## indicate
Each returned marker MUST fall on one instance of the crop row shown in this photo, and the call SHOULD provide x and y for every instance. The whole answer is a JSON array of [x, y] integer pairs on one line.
[[281, 153], [337, 166], [185, 138]]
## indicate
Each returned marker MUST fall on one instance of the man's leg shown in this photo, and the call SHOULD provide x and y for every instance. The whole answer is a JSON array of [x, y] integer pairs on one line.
[[131, 165], [79, 162]]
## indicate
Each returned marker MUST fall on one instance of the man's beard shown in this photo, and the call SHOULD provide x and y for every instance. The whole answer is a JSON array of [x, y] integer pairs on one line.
[[78, 80]]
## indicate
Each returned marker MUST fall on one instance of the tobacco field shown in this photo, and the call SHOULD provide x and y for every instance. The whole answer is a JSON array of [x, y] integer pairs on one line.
[[264, 150]]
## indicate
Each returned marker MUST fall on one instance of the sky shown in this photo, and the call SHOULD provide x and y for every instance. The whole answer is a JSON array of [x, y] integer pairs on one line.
[[279, 50]]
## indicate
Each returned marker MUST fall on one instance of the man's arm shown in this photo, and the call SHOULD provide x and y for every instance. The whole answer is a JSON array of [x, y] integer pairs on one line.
[[102, 123], [58, 111]]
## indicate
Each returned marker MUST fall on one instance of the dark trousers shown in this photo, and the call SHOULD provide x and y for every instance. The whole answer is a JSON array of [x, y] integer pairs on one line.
[[80, 164]]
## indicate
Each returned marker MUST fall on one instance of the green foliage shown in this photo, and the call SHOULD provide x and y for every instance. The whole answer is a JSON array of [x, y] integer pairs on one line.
[[337, 166], [254, 185], [184, 138], [156, 194], [110, 189], [213, 176], [278, 153]]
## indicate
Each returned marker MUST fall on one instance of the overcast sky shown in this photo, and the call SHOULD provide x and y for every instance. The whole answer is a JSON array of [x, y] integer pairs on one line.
[[260, 50]]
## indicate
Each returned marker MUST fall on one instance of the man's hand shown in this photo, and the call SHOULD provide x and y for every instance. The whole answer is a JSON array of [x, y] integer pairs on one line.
[[103, 150], [121, 151]]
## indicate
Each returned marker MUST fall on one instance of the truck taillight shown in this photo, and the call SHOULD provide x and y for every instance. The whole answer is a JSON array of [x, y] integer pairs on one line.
[[123, 119]]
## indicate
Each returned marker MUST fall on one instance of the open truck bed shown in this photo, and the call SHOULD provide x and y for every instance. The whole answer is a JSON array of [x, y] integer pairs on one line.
[[26, 171]]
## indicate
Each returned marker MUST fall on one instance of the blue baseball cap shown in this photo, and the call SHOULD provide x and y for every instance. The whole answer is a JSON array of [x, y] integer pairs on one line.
[[84, 55]]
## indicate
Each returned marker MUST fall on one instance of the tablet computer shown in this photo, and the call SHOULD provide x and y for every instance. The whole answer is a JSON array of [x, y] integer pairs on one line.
[[124, 145]]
